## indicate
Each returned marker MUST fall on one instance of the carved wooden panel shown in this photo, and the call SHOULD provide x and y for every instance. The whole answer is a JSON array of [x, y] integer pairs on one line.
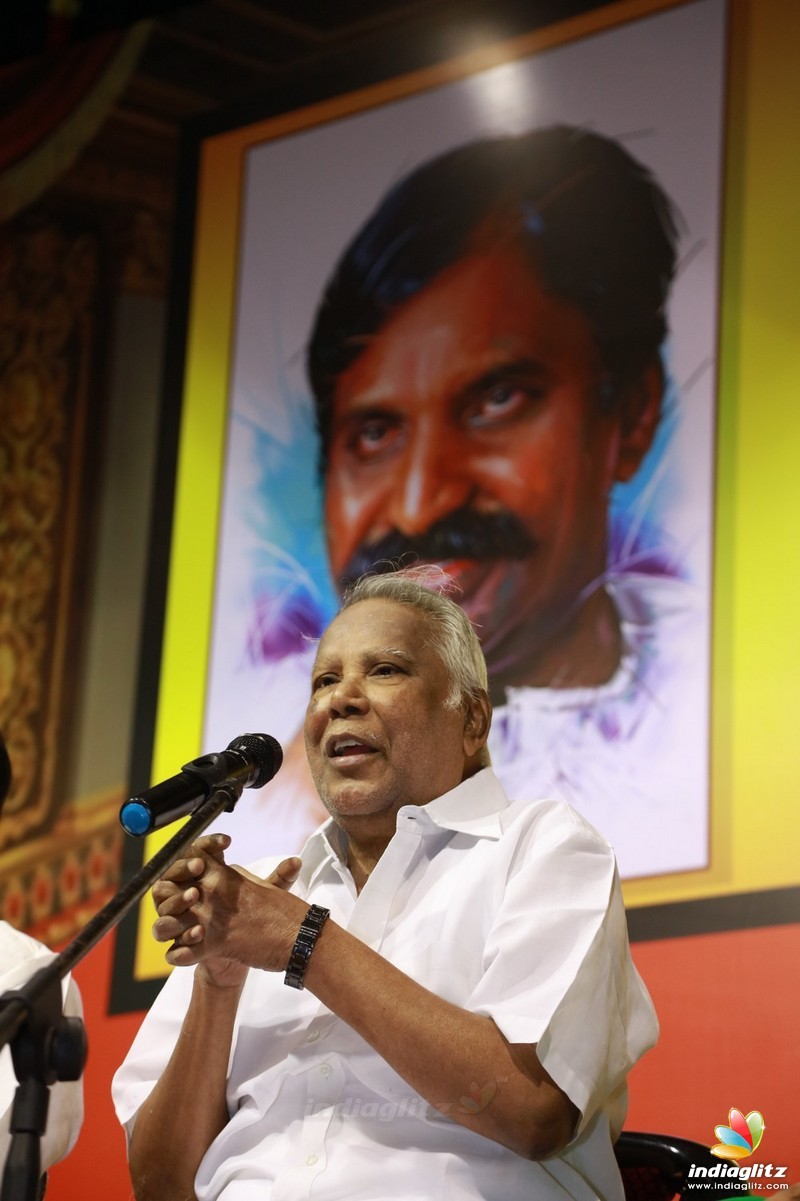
[[49, 304]]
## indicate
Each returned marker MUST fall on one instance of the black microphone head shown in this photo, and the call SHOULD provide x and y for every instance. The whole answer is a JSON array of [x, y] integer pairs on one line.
[[265, 753]]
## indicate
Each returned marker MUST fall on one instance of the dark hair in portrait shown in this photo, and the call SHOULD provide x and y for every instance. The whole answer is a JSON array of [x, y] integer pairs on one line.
[[593, 222]]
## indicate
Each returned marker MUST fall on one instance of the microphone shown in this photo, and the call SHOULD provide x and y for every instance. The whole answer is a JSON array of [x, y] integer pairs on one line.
[[249, 761]]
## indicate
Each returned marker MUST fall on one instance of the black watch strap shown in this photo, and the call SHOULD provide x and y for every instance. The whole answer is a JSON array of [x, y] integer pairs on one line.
[[304, 944]]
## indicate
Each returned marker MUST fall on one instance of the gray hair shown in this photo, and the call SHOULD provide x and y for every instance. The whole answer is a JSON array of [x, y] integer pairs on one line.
[[452, 634]]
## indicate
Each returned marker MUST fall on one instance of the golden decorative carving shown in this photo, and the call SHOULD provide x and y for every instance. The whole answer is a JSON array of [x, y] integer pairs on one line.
[[49, 289], [52, 885]]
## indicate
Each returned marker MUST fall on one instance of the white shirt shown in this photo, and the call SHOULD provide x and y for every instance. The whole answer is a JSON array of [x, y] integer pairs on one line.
[[511, 910], [20, 957], [631, 755]]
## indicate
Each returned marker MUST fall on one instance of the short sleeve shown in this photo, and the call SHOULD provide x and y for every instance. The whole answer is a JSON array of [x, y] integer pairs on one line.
[[152, 1047], [158, 1034], [558, 970]]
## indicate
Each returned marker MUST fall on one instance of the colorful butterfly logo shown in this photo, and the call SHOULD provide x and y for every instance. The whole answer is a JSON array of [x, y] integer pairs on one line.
[[739, 1139]]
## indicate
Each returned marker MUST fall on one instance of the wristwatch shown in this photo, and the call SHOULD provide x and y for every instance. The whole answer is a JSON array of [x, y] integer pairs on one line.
[[304, 944]]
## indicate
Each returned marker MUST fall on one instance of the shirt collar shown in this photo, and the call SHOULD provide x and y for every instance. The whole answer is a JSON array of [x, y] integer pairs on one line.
[[327, 843], [473, 807]]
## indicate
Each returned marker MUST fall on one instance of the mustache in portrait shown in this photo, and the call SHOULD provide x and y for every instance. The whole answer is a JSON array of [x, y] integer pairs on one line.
[[465, 533]]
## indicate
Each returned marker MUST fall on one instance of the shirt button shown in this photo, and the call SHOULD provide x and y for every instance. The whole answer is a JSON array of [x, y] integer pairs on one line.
[[325, 1070], [311, 1160], [313, 1036]]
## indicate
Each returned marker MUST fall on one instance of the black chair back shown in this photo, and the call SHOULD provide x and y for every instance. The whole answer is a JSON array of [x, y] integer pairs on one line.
[[659, 1167]]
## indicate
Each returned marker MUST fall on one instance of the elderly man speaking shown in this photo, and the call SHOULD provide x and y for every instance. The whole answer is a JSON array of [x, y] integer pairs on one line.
[[462, 1009]]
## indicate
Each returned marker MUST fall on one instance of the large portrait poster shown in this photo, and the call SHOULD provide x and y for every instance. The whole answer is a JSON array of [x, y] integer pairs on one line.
[[514, 377], [630, 752]]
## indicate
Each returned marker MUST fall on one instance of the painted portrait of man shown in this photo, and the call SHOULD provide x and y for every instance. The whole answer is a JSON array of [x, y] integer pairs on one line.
[[494, 385]]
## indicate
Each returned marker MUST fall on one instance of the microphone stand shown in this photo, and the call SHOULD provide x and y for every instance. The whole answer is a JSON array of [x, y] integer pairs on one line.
[[45, 1046]]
